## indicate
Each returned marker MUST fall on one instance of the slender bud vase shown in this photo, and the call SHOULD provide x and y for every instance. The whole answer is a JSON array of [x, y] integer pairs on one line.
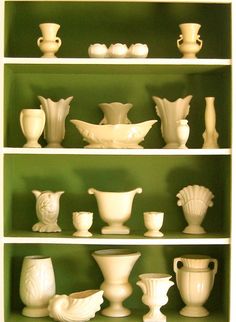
[[56, 113], [182, 133], [195, 280], [37, 285], [210, 134], [116, 266], [49, 43], [115, 113], [32, 123], [155, 287], [189, 42]]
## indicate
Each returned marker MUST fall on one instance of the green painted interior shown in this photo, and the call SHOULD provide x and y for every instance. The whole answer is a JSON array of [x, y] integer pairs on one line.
[[76, 270], [85, 23], [161, 177], [91, 85]]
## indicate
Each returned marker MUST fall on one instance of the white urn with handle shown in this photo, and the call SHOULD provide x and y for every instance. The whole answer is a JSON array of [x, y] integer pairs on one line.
[[189, 42], [49, 43]]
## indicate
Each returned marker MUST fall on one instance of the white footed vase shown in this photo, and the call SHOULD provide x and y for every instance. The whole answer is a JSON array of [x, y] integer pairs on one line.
[[153, 221], [155, 287], [32, 122], [183, 133], [210, 134], [82, 221], [49, 43], [189, 42], [115, 209], [37, 285], [115, 113], [170, 113], [47, 210], [195, 280], [56, 113], [195, 201], [116, 266], [76, 307]]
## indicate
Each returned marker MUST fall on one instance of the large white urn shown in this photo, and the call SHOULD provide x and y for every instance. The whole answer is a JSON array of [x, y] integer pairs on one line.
[[115, 209], [170, 113], [155, 287], [195, 280], [37, 285], [116, 266]]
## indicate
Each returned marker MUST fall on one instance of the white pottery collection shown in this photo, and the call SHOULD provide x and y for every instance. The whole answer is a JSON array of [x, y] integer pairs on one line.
[[195, 280], [153, 221], [189, 42], [82, 222], [155, 287], [49, 43]]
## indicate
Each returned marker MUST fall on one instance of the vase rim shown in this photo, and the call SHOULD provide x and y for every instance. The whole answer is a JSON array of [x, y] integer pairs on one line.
[[39, 257], [195, 256], [155, 276], [115, 252]]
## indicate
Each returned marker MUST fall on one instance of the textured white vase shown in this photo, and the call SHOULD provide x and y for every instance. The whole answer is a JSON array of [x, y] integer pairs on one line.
[[56, 113], [195, 201], [82, 221], [170, 113], [47, 210], [182, 133], [49, 43], [210, 134], [32, 122], [37, 285], [189, 42], [155, 287], [115, 209], [153, 221], [195, 280], [116, 266], [115, 113]]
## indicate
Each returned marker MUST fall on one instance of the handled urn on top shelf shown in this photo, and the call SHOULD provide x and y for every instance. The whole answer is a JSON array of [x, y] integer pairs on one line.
[[189, 43], [49, 43]]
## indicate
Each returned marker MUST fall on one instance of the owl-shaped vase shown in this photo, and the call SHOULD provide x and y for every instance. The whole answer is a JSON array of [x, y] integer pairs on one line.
[[47, 210]]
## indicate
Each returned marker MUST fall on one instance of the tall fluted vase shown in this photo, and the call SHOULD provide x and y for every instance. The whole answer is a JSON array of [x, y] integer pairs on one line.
[[37, 285], [56, 113], [210, 134]]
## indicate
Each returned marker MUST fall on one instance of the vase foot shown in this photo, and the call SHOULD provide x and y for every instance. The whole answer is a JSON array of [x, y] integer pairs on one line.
[[43, 228], [82, 234], [173, 145], [194, 229], [116, 312], [54, 145], [35, 312], [193, 311], [121, 230], [153, 234]]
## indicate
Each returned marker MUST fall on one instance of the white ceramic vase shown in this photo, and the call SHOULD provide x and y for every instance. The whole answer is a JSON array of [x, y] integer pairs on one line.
[[56, 113], [155, 287], [189, 42], [170, 113], [47, 210], [195, 280], [32, 122], [182, 133], [49, 43], [37, 285], [115, 113], [76, 307], [116, 266], [153, 221], [115, 209], [82, 221], [195, 201], [210, 134]]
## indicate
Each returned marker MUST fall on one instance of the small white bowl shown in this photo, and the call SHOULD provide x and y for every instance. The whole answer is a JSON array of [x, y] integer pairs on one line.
[[97, 51], [138, 51], [117, 50]]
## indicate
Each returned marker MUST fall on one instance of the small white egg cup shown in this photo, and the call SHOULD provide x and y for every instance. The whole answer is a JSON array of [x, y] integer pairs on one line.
[[82, 222], [153, 221]]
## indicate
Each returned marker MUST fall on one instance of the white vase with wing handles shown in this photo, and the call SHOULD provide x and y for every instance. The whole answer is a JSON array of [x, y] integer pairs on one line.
[[49, 43], [189, 42]]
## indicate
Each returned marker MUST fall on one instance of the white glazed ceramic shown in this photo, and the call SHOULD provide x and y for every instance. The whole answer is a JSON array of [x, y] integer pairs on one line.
[[49, 43], [118, 136], [195, 201], [155, 287], [195, 280], [77, 307], [210, 134], [182, 133], [115, 209], [56, 113], [170, 113], [117, 50], [189, 43], [37, 285], [82, 221], [47, 210], [32, 122], [138, 51], [116, 266], [115, 113], [153, 221], [98, 51]]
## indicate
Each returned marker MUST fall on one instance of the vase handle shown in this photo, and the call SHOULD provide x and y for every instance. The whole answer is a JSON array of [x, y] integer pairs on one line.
[[214, 270], [40, 39], [179, 40], [21, 122], [58, 40], [175, 264], [199, 41]]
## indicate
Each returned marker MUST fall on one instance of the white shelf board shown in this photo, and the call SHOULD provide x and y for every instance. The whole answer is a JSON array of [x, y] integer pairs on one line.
[[82, 151], [119, 61], [162, 1]]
